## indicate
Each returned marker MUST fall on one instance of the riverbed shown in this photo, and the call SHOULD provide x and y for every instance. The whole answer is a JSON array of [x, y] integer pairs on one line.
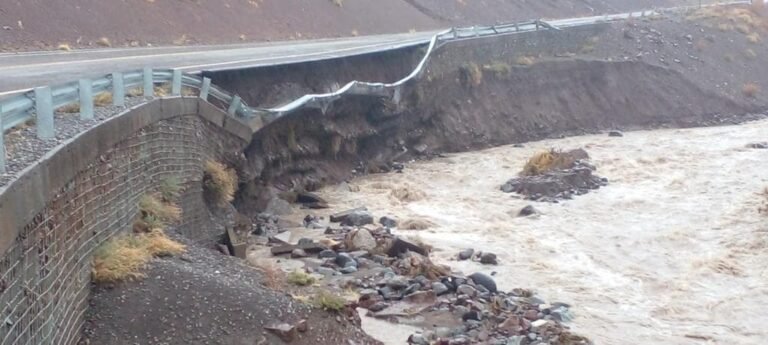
[[672, 251]]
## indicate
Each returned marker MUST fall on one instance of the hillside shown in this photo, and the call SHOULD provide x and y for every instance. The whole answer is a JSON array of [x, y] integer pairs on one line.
[[37, 24]]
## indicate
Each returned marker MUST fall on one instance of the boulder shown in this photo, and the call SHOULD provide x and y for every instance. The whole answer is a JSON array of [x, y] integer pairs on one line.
[[527, 211], [488, 259], [484, 280], [358, 218], [341, 216], [615, 134], [466, 254], [360, 239]]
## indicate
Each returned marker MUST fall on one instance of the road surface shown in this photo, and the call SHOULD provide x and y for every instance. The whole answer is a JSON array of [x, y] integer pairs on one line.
[[22, 71]]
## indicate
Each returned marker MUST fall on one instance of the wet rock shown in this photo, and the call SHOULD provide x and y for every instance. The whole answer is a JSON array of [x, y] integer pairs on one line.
[[298, 253], [360, 239], [440, 288], [761, 145], [327, 254], [421, 297], [344, 260], [471, 315], [418, 339], [311, 200], [285, 331], [484, 280], [358, 218], [527, 211], [468, 290], [387, 221], [341, 216], [466, 254], [305, 241], [489, 259], [348, 269], [615, 134], [378, 306], [398, 283], [401, 246], [326, 271]]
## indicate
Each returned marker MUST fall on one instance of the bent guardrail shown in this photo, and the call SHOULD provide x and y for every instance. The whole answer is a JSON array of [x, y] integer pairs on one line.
[[41, 102]]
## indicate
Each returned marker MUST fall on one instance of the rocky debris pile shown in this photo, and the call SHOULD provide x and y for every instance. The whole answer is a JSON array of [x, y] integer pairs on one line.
[[555, 175], [395, 279]]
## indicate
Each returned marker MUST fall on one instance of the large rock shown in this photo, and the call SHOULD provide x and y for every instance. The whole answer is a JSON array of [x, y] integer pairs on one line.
[[387, 221], [358, 218], [360, 239], [484, 280], [285, 331]]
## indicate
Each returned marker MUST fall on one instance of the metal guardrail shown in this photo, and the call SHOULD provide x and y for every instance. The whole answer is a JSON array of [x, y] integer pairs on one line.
[[40, 103]]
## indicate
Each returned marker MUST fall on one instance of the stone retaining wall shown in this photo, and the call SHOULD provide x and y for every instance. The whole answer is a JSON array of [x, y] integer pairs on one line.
[[59, 211]]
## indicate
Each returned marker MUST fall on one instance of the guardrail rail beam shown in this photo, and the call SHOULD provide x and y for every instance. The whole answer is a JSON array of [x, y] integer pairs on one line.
[[86, 99], [44, 106]]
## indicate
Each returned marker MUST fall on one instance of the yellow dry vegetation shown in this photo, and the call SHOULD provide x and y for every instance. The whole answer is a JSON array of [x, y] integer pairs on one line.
[[220, 183], [123, 257], [545, 161]]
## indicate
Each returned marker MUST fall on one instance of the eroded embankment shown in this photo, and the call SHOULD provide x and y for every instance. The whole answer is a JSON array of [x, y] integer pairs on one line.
[[476, 94]]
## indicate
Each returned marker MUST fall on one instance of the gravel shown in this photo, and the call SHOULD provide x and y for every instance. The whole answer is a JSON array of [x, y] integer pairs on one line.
[[23, 147]]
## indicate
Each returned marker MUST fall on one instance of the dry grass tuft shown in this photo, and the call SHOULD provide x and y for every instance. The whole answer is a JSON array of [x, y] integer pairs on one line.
[[545, 161], [525, 60], [69, 108], [102, 99], [338, 3], [328, 301], [159, 91], [300, 278], [499, 69], [220, 183], [416, 224], [124, 257], [274, 277], [750, 89], [471, 74], [155, 214], [754, 38], [104, 42], [64, 47]]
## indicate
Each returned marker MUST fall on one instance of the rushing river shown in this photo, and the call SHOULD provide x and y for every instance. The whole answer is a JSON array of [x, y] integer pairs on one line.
[[672, 251]]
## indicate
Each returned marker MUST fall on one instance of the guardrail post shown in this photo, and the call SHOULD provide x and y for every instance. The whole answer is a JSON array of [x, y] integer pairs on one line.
[[2, 143], [149, 83], [118, 89], [232, 110], [205, 89], [176, 83], [44, 107], [86, 99]]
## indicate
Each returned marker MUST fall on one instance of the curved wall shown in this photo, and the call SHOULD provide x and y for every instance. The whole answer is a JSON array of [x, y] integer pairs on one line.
[[58, 211]]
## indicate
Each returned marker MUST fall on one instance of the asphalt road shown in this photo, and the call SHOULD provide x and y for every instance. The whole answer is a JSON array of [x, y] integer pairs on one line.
[[22, 71]]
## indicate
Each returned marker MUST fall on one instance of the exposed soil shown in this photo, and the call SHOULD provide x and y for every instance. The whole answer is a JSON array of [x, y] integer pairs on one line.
[[575, 81], [36, 24], [204, 297]]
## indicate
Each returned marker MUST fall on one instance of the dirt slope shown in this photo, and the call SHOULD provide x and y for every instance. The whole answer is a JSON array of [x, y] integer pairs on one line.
[[38, 24]]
